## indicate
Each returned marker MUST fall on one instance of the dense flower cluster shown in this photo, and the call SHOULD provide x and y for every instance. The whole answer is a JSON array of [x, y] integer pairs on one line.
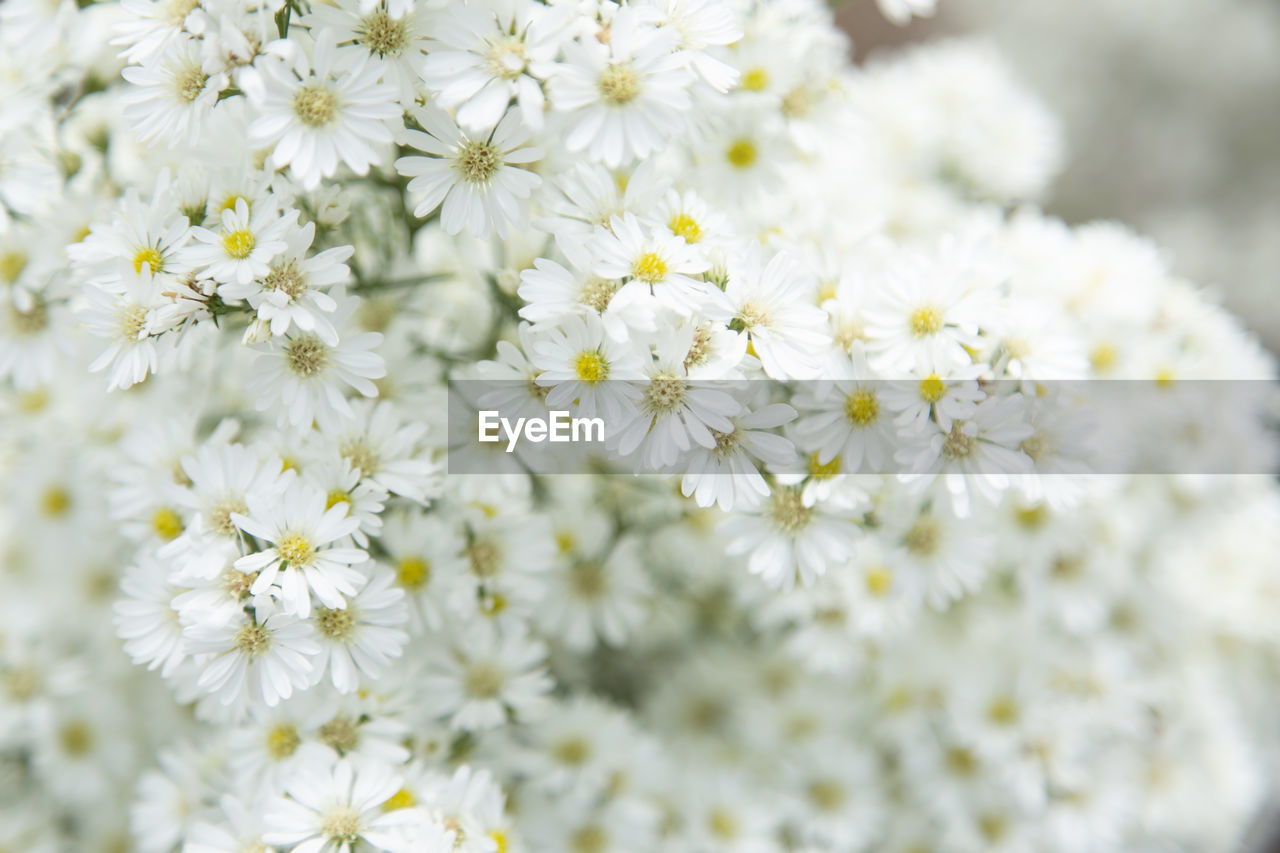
[[286, 229]]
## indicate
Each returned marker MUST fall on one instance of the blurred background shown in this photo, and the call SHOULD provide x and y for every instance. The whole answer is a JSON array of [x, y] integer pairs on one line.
[[1172, 116]]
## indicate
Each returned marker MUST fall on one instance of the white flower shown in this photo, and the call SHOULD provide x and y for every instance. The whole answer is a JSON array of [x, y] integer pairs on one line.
[[174, 95], [625, 95], [659, 269], [340, 808], [789, 540], [300, 558], [673, 413], [261, 662], [901, 11], [773, 306], [475, 176], [582, 365], [292, 293], [488, 55], [846, 422], [239, 251], [726, 475], [305, 376], [363, 637], [393, 41], [123, 317], [487, 672], [318, 113], [978, 454]]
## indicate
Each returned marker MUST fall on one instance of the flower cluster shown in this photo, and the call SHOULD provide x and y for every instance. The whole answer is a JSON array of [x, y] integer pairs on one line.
[[246, 607]]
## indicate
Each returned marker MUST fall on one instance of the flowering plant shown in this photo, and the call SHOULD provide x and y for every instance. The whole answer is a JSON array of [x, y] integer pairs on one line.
[[823, 318]]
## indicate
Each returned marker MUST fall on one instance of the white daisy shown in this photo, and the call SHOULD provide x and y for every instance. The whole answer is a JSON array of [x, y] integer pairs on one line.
[[623, 95], [787, 540], [340, 808], [319, 112], [173, 95], [240, 250], [296, 532], [583, 366], [488, 55], [261, 662], [124, 318], [659, 270], [773, 306], [488, 672], [292, 291], [362, 638], [726, 475], [306, 376], [476, 176]]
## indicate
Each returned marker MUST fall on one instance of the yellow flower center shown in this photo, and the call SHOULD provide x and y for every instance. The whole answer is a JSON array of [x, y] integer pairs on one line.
[[238, 244], [413, 572], [12, 263], [926, 321], [590, 367], [741, 154], [166, 523], [150, 256], [55, 502], [861, 407], [283, 741], [189, 83], [295, 549], [755, 79], [402, 799], [879, 581], [619, 84], [684, 225], [307, 355], [315, 105], [650, 267], [477, 161], [382, 34], [932, 388]]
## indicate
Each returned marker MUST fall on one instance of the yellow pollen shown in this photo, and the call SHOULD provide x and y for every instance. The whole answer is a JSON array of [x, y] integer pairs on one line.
[[283, 741], [132, 322], [1032, 516], [755, 79], [666, 393], [31, 402], [924, 538], [590, 367], [926, 321], [1103, 358], [286, 278], [932, 388], [413, 572], [879, 581], [229, 203], [650, 267], [252, 640], [573, 751], [788, 511], [402, 799], [307, 355], [822, 471], [483, 681], [342, 733], [12, 263], [55, 502], [565, 541], [295, 549], [166, 523], [477, 161], [957, 444], [335, 497], [1003, 711], [315, 105], [589, 839], [861, 407], [684, 225], [486, 559], [723, 823], [76, 738], [827, 795], [335, 624], [342, 824], [597, 293], [150, 256], [189, 83], [501, 844], [30, 322], [741, 153], [238, 244], [1165, 377], [619, 84], [382, 34]]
